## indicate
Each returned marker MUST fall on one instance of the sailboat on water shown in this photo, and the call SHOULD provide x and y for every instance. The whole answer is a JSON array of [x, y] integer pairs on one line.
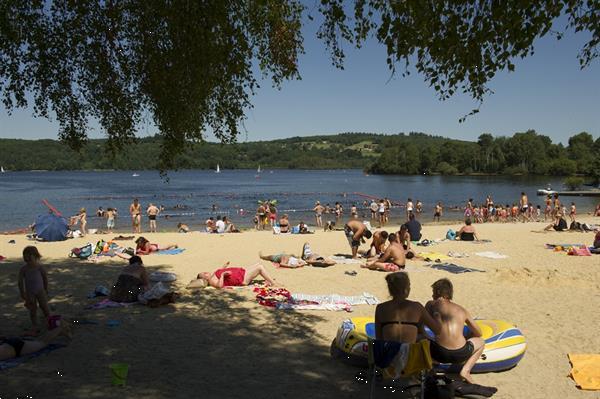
[[257, 175], [2, 169], [258, 170], [218, 169]]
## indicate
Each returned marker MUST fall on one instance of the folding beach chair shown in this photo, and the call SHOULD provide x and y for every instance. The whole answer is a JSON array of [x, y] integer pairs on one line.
[[417, 364]]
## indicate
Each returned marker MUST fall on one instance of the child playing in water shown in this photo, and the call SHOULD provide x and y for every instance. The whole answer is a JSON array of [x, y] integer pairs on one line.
[[33, 284]]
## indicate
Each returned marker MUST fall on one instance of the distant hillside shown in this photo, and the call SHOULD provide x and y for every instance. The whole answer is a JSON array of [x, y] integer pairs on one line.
[[413, 153]]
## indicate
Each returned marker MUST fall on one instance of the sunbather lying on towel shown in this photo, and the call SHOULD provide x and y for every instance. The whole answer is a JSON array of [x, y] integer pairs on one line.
[[145, 248], [14, 347], [235, 276], [292, 261]]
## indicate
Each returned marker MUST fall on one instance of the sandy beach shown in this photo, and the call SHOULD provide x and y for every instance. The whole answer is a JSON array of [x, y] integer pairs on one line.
[[222, 344]]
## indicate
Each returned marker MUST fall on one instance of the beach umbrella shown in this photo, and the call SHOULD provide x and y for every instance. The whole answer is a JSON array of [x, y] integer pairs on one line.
[[51, 227]]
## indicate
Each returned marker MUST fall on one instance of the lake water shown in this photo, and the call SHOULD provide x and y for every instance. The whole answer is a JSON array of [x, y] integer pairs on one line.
[[195, 191]]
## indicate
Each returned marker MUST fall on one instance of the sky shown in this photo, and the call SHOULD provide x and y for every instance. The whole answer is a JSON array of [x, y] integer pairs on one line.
[[547, 92]]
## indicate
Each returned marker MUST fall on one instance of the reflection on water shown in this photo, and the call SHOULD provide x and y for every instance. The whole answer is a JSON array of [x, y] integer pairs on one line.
[[189, 196]]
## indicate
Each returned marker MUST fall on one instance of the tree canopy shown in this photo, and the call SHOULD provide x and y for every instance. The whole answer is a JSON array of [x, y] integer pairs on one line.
[[192, 66]]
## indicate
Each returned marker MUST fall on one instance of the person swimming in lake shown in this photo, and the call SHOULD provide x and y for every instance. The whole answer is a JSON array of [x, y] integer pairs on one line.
[[144, 247], [467, 232], [235, 276]]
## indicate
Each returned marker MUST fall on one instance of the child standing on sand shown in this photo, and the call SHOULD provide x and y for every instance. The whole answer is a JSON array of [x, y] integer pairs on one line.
[[33, 284], [110, 219], [573, 212]]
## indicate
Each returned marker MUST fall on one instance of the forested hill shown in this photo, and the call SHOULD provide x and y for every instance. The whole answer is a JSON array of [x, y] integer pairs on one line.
[[414, 153]]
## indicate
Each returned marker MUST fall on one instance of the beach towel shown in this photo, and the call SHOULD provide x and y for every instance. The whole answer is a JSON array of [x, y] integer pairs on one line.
[[452, 268], [563, 246], [344, 260], [165, 277], [491, 255], [107, 303], [313, 306], [364, 299], [431, 256], [583, 251], [586, 370], [174, 251], [454, 254], [2, 258], [10, 363]]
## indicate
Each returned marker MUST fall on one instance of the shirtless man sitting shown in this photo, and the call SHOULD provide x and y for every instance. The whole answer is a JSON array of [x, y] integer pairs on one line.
[[378, 244], [355, 232], [392, 260], [450, 345]]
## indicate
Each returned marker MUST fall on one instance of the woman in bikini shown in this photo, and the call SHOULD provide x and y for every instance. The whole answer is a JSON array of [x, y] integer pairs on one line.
[[467, 232], [235, 276], [144, 247], [135, 210], [400, 319]]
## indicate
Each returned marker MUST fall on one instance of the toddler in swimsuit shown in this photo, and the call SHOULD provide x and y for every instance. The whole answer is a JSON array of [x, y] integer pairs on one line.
[[33, 284]]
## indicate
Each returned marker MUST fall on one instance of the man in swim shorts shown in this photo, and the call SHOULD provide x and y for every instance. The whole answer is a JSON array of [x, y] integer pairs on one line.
[[392, 259], [355, 232], [152, 212], [450, 345]]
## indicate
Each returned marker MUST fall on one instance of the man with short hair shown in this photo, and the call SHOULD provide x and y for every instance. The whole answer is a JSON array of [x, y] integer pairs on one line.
[[450, 345], [152, 212], [355, 232], [392, 259], [414, 227]]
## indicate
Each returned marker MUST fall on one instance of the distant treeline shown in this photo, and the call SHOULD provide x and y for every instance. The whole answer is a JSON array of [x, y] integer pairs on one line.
[[413, 153], [523, 153]]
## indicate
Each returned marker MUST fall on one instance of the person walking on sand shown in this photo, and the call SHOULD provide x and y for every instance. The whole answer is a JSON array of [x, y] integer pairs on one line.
[[33, 285], [152, 213], [135, 210], [318, 209], [450, 345]]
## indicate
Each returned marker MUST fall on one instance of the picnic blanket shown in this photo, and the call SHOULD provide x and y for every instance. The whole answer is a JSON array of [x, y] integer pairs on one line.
[[10, 363], [452, 268], [586, 370], [173, 251], [491, 255]]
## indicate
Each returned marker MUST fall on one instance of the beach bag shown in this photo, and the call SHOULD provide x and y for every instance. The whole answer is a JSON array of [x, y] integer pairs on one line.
[[276, 230], [583, 251], [451, 235], [82, 253], [295, 230]]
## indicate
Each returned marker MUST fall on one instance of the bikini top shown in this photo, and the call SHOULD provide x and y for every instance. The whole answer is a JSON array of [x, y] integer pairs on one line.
[[406, 323]]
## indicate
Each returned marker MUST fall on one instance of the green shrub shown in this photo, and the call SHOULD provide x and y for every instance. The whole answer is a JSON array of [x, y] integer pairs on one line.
[[573, 182]]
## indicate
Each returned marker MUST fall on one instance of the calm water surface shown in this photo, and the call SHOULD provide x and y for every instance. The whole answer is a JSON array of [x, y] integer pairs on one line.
[[188, 196]]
